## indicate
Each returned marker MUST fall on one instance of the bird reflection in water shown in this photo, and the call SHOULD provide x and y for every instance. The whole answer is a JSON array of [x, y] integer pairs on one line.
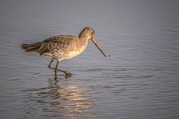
[[67, 99]]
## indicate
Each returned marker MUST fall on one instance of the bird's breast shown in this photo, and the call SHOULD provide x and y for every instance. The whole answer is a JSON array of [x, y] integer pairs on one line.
[[71, 51]]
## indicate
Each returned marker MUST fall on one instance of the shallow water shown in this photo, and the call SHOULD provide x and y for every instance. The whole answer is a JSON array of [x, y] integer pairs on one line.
[[139, 80]]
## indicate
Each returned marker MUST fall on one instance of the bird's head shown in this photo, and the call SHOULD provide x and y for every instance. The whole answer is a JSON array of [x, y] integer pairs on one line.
[[88, 33]]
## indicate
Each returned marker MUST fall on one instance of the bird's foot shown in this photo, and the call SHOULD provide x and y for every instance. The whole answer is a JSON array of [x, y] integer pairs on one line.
[[68, 74]]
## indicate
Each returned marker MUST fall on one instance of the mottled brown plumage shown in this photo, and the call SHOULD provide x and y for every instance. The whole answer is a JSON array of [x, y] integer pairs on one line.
[[62, 47]]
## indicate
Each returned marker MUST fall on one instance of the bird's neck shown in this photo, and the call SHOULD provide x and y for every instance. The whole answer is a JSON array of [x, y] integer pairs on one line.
[[83, 35]]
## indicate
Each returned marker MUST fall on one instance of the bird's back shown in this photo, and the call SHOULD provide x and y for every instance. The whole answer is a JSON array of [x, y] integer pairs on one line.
[[58, 47]]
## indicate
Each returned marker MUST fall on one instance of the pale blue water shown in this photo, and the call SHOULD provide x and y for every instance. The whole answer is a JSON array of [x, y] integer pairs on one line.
[[138, 81]]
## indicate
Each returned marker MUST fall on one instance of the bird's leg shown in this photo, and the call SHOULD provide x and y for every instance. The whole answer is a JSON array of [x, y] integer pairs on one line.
[[68, 74], [56, 67], [56, 70], [49, 66]]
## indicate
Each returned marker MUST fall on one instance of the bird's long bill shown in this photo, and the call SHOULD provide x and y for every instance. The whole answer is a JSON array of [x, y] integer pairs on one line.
[[94, 41]]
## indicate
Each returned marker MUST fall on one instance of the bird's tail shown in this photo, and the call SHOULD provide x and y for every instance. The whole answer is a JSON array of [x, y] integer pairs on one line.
[[31, 47]]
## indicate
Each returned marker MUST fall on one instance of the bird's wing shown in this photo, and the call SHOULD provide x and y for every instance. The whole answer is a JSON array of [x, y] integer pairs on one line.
[[61, 42]]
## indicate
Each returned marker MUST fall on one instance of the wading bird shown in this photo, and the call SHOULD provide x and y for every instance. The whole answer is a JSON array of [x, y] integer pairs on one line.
[[63, 47]]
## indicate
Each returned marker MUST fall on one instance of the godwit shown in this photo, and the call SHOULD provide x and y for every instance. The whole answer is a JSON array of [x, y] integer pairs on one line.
[[63, 47]]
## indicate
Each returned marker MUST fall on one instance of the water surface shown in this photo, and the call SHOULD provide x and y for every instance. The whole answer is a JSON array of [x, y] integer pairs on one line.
[[138, 81]]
